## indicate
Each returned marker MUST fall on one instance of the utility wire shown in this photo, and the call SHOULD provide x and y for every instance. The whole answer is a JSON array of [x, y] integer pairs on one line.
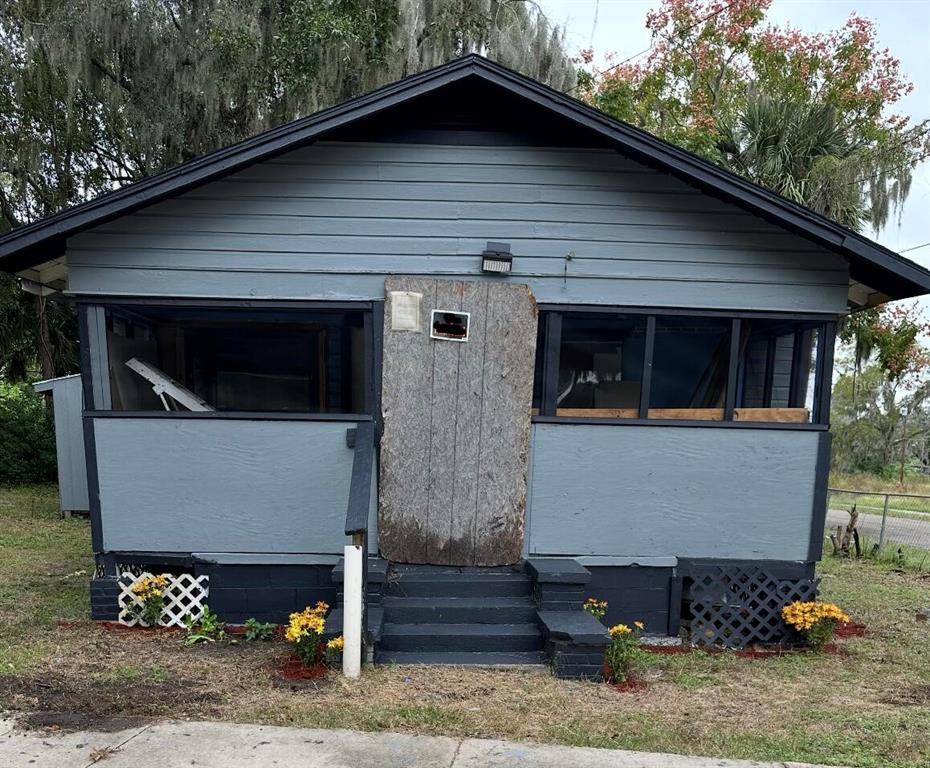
[[915, 247], [687, 29]]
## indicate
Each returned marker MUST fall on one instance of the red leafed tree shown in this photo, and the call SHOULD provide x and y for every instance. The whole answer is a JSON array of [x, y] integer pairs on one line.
[[810, 116]]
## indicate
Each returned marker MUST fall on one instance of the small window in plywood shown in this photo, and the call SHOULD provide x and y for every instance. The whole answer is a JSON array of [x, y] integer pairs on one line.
[[449, 325]]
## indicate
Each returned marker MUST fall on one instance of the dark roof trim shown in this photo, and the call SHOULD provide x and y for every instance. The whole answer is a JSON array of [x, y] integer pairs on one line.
[[881, 268]]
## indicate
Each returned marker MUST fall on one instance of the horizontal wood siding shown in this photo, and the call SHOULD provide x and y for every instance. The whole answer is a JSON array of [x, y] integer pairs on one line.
[[331, 220], [671, 491], [217, 485]]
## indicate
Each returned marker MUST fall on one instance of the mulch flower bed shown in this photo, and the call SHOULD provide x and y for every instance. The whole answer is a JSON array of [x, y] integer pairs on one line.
[[846, 630], [115, 626], [291, 667], [752, 652]]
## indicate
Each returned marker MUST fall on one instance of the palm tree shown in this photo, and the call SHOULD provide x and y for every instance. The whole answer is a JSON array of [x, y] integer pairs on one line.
[[801, 150]]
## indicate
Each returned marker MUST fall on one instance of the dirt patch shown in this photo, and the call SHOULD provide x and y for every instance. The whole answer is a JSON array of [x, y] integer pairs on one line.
[[851, 629], [115, 626], [78, 703], [913, 696], [632, 685]]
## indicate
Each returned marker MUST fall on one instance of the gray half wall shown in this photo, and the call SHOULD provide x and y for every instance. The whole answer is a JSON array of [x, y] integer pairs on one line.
[[218, 485], [672, 491]]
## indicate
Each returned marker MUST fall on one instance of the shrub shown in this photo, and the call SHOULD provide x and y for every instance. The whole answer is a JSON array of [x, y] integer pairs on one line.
[[815, 620], [207, 629], [623, 656], [256, 630], [305, 632], [27, 437]]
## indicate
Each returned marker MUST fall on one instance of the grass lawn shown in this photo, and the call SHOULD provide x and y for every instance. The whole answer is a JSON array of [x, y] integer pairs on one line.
[[869, 706]]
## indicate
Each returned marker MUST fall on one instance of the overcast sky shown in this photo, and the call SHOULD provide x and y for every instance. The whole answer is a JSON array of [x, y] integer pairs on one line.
[[903, 27]]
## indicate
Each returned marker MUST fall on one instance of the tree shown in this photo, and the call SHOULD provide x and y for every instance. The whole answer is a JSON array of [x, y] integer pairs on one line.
[[713, 65], [798, 149], [884, 378], [95, 94]]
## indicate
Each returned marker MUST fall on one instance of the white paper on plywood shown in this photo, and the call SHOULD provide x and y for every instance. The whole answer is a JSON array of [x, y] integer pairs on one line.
[[405, 311]]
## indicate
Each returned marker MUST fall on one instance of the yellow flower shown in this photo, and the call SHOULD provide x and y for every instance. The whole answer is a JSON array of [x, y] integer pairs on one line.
[[336, 644], [639, 625], [805, 615], [619, 629], [149, 587], [309, 621]]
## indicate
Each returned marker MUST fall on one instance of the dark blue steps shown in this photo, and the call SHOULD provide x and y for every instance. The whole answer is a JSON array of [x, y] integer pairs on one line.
[[464, 658], [459, 610], [452, 615], [461, 637], [442, 581]]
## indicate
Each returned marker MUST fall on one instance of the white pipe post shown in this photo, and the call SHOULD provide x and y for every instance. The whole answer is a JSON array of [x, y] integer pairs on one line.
[[352, 612]]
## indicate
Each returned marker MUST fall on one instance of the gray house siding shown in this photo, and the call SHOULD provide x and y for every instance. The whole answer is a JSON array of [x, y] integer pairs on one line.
[[329, 221], [223, 485], [657, 491]]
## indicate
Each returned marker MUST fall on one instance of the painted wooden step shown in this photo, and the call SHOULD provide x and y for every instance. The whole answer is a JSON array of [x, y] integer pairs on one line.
[[459, 610], [458, 658], [461, 637], [461, 585]]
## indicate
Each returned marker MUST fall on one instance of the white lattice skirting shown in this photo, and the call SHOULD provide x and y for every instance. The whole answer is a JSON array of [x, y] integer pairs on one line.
[[184, 596]]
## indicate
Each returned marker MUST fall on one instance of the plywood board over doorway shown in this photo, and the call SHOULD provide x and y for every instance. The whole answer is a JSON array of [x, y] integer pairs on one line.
[[456, 426]]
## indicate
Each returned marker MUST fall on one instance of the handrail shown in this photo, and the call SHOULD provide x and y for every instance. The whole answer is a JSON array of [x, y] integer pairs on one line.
[[360, 485]]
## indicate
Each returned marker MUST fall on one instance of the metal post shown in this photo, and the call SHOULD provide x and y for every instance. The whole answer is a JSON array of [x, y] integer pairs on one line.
[[352, 612], [903, 444], [881, 533]]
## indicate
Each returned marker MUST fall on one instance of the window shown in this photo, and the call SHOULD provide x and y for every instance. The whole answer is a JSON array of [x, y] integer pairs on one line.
[[777, 370], [690, 365], [236, 359], [601, 365], [594, 364]]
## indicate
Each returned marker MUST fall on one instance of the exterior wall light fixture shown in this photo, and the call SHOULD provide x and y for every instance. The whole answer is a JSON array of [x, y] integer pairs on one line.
[[497, 259]]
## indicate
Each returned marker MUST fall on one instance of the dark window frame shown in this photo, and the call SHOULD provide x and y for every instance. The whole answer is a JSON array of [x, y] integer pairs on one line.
[[551, 315]]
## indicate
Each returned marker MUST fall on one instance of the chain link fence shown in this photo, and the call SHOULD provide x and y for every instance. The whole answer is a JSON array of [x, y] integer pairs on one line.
[[890, 526]]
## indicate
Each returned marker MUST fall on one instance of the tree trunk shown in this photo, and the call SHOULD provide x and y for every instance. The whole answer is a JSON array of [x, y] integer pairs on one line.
[[46, 359]]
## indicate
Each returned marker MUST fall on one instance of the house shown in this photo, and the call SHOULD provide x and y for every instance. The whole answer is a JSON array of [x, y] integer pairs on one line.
[[528, 352]]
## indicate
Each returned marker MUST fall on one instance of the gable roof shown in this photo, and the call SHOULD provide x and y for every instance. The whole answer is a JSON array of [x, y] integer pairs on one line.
[[884, 272]]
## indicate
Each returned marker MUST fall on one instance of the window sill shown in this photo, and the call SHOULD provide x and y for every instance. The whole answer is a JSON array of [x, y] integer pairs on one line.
[[803, 427]]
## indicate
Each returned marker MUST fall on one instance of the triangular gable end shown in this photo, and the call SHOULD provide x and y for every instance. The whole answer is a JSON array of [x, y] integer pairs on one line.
[[469, 96]]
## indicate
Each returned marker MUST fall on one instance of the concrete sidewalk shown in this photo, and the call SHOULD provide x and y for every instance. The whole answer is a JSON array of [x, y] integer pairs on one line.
[[173, 744]]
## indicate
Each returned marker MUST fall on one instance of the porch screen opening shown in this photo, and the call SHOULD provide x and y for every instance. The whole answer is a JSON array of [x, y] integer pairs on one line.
[[247, 360], [697, 367], [601, 365]]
